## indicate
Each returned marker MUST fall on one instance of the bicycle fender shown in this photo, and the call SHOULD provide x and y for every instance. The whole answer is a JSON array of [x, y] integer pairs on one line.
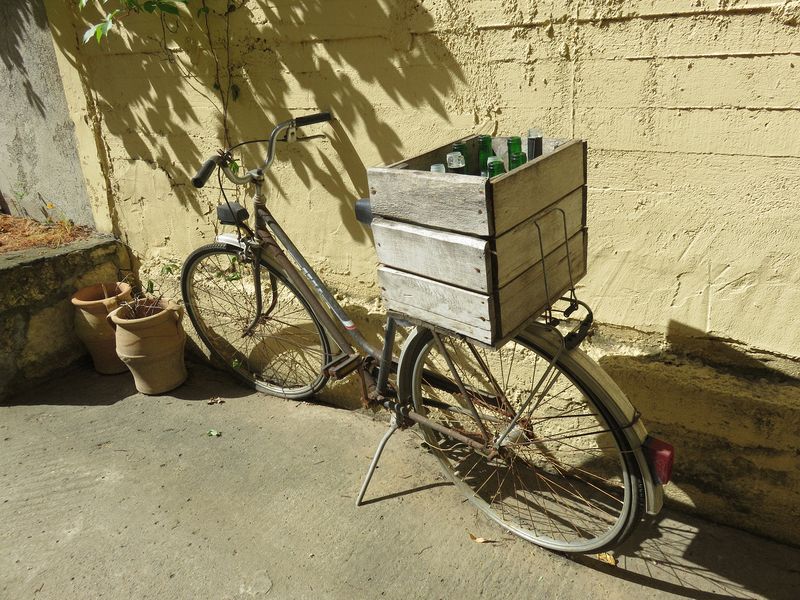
[[622, 410], [230, 239]]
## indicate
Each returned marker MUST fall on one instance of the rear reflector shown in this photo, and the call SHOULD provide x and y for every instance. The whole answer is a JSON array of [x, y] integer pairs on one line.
[[661, 456]]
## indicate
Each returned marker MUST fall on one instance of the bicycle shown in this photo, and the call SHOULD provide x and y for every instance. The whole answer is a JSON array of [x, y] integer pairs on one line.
[[535, 434]]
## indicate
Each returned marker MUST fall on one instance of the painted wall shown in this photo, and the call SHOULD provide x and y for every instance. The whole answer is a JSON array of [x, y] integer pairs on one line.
[[40, 174], [692, 113]]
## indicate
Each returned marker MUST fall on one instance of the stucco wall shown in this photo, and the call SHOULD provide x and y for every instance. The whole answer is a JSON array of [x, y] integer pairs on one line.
[[692, 114], [40, 165]]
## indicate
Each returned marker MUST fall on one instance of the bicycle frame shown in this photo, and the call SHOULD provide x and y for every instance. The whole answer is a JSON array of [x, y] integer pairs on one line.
[[268, 240], [343, 330]]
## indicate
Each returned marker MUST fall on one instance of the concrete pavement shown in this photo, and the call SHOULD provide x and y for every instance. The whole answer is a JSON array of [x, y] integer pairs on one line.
[[106, 493]]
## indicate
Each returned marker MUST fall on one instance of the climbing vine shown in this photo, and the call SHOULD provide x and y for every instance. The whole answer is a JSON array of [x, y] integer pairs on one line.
[[167, 11]]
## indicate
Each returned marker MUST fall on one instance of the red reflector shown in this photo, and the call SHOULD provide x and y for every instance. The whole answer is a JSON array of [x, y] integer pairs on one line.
[[661, 456]]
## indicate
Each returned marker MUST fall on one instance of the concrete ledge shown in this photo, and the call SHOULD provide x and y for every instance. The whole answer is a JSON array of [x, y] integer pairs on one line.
[[732, 415], [37, 338]]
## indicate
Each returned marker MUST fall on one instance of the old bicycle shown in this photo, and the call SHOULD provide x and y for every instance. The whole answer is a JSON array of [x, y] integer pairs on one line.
[[533, 431]]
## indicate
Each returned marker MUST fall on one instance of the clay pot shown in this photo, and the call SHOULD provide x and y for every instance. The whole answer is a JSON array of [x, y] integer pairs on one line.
[[92, 305], [150, 341]]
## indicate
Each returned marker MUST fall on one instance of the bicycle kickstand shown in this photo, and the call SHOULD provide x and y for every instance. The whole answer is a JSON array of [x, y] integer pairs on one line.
[[393, 426]]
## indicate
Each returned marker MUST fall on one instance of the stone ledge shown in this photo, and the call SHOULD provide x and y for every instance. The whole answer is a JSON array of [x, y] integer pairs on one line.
[[732, 413], [37, 339]]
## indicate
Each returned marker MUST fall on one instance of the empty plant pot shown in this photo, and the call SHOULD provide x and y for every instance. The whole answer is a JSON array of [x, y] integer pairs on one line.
[[150, 341], [92, 305]]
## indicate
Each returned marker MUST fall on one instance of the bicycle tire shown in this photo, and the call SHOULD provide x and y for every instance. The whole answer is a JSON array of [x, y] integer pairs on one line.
[[574, 484], [285, 353]]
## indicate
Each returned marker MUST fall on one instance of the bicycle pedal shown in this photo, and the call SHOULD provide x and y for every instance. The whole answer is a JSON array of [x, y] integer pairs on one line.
[[342, 365]]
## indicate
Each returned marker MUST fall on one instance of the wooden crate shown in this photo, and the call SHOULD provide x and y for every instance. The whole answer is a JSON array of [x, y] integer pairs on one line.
[[480, 256]]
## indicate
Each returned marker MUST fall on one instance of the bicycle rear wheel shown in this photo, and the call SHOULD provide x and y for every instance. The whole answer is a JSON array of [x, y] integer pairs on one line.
[[564, 477], [288, 347]]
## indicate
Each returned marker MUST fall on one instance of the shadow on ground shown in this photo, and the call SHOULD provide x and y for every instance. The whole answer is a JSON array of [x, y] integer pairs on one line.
[[690, 557]]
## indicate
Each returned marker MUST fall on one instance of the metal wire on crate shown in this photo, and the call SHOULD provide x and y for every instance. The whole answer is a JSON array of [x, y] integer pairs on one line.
[[573, 299]]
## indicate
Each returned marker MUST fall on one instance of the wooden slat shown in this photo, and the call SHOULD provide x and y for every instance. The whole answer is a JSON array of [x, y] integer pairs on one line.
[[518, 249], [438, 303], [525, 296], [532, 187], [449, 257], [442, 200]]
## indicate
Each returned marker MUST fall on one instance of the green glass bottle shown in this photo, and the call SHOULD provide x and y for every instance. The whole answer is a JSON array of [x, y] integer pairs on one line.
[[495, 166], [514, 146], [516, 160], [484, 152]]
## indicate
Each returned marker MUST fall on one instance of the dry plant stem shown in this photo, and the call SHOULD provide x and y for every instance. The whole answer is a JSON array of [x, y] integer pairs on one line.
[[20, 233]]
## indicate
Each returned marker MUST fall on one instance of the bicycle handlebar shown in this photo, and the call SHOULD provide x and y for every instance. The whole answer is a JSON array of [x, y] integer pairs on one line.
[[311, 119], [212, 163], [205, 172]]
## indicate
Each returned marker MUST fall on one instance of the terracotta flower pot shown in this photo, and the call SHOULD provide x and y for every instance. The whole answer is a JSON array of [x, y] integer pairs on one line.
[[150, 341], [92, 305]]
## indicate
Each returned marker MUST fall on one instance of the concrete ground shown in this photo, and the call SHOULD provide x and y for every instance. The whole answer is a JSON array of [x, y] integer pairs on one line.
[[106, 493]]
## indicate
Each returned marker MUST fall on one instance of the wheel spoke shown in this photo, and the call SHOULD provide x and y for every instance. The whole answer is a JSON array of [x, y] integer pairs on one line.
[[287, 348], [560, 477]]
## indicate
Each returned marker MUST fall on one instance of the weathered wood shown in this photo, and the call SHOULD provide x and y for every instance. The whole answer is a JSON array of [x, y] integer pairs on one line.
[[518, 249], [438, 303], [423, 162], [437, 269], [449, 257], [442, 200], [526, 296], [529, 189]]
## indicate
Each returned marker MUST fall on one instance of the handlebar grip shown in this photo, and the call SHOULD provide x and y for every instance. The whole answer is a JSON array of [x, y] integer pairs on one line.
[[311, 119], [205, 172]]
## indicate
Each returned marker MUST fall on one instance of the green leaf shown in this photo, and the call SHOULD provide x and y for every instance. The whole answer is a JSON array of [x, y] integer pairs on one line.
[[150, 287], [89, 33], [234, 166], [168, 7], [81, 5], [234, 92], [150, 6], [203, 10]]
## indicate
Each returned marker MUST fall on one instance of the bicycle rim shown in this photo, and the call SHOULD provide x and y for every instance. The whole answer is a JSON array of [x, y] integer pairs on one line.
[[564, 477], [285, 352]]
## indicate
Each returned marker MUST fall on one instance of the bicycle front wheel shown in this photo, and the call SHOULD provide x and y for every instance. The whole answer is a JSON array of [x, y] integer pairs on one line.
[[285, 353], [563, 477]]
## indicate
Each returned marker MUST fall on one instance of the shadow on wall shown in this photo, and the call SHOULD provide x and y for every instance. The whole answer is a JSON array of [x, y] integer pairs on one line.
[[16, 18], [733, 422], [169, 95]]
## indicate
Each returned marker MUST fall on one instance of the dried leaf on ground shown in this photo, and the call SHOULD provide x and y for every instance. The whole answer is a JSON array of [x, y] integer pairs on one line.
[[480, 540], [607, 558], [216, 401], [214, 433]]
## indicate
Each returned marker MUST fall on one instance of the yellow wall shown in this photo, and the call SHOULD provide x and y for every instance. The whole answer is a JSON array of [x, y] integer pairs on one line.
[[692, 113]]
